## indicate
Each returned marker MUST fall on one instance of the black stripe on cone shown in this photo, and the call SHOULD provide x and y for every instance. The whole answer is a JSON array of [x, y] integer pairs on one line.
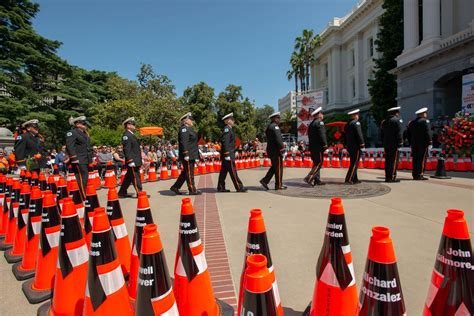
[[90, 204], [4, 244], [49, 218], [15, 254], [189, 265], [71, 231]]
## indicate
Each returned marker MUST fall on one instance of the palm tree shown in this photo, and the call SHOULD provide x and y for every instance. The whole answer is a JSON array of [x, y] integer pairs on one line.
[[294, 72], [305, 45]]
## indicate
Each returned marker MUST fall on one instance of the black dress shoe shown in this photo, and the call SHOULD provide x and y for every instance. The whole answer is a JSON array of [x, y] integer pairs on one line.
[[348, 182], [319, 183], [125, 196], [195, 193], [243, 190], [395, 181], [175, 190], [283, 187], [307, 181], [264, 185], [223, 190], [357, 182]]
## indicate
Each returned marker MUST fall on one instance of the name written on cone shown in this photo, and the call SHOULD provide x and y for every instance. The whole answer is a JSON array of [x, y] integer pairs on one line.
[[387, 284], [333, 233], [455, 263], [185, 231], [95, 253], [145, 271]]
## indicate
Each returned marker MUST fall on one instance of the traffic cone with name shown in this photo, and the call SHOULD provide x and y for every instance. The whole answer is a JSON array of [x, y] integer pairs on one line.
[[258, 292], [34, 178], [90, 204], [7, 241], [164, 171], [22, 175], [155, 293], [122, 243], [123, 172], [257, 243], [13, 204], [335, 291], [71, 271], [451, 291], [97, 177], [3, 187], [26, 268], [106, 291], [70, 177], [142, 175], [56, 173], [152, 172], [52, 184], [142, 218], [15, 254], [61, 192], [6, 193], [174, 170], [39, 289], [192, 282], [43, 183], [110, 180], [78, 202], [381, 291]]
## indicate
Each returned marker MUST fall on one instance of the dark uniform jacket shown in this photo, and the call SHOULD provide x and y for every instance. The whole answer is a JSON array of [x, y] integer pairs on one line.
[[353, 135], [228, 142], [391, 129], [78, 146], [274, 140], [188, 143], [27, 145], [418, 132], [317, 136], [131, 148]]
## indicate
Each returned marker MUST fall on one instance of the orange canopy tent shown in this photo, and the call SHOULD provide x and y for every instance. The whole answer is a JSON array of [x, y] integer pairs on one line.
[[151, 130], [338, 124]]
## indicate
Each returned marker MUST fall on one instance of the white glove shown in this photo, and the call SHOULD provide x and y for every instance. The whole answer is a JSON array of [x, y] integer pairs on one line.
[[132, 164], [186, 158], [75, 161], [227, 158], [430, 147], [23, 167]]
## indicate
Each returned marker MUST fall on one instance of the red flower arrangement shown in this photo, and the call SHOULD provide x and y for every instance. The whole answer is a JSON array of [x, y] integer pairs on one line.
[[459, 135]]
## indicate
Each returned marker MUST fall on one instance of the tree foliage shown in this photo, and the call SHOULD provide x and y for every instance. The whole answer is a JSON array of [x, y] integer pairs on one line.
[[389, 42]]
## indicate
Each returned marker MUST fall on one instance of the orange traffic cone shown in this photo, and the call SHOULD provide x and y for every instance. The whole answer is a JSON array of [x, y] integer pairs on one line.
[[90, 204], [70, 177], [266, 161], [335, 163], [52, 184], [142, 218], [468, 164], [192, 282], [142, 175], [122, 243], [3, 187], [39, 289], [174, 170], [77, 199], [22, 175], [15, 254], [62, 192], [258, 295], [335, 291], [202, 167], [43, 183], [13, 204], [381, 291], [326, 163], [56, 172], [34, 178], [152, 172], [110, 180], [7, 241], [257, 243], [460, 166], [196, 169], [71, 272], [26, 268], [123, 172], [97, 177], [451, 292], [28, 176], [4, 210], [154, 294], [106, 292], [164, 171]]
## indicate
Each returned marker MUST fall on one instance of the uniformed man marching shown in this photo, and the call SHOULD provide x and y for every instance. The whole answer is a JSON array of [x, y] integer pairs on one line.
[[275, 149], [392, 139], [30, 145], [419, 135], [188, 154], [228, 157], [317, 145], [133, 158], [354, 145], [79, 150]]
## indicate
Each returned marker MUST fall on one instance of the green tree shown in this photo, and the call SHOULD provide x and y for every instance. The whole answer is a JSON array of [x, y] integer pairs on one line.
[[262, 120], [389, 43]]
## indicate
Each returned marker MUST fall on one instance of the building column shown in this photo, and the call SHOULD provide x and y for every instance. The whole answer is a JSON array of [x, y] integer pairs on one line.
[[410, 24], [431, 20], [334, 73]]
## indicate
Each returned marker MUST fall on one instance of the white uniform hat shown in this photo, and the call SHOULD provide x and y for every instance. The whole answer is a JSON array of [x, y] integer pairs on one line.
[[397, 108], [274, 114], [30, 122], [129, 120], [422, 110], [227, 116], [185, 116], [316, 111], [74, 120], [353, 112]]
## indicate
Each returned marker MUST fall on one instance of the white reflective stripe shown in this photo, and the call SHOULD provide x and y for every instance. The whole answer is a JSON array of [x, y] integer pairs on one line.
[[201, 262], [87, 289], [25, 217], [346, 249], [120, 231], [78, 255], [36, 227], [270, 269], [15, 211], [112, 281], [173, 311], [351, 268], [154, 299], [194, 244], [134, 250], [433, 290], [180, 268], [276, 294], [329, 276], [462, 311], [80, 211], [91, 220], [53, 239]]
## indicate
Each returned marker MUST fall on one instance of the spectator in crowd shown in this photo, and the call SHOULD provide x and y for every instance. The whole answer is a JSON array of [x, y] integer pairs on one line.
[[104, 156], [60, 160], [119, 158], [152, 156], [3, 162]]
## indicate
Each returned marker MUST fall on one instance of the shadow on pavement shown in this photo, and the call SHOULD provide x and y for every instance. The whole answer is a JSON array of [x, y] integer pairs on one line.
[[291, 312]]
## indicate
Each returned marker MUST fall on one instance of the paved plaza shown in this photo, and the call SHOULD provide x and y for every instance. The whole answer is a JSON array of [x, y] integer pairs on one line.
[[414, 212]]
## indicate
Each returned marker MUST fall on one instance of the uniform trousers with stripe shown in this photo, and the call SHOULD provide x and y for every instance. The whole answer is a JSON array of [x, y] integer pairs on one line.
[[354, 156], [277, 170], [314, 175], [391, 163], [228, 166], [187, 175], [419, 158], [81, 171], [132, 177]]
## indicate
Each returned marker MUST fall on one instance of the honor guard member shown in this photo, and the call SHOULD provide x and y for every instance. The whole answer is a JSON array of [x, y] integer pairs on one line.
[[228, 157], [317, 145], [354, 144], [391, 129], [30, 144], [275, 149], [79, 150], [188, 154], [133, 159], [419, 135]]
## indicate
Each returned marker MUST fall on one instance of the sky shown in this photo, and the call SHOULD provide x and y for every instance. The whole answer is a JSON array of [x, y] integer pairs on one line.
[[243, 42]]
